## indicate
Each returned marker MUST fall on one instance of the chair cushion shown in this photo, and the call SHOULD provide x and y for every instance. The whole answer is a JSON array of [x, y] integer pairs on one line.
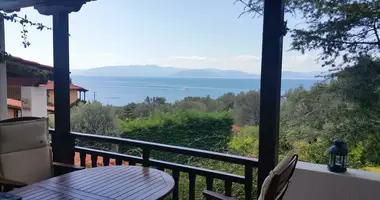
[[283, 164], [277, 170], [265, 186], [28, 166], [23, 135]]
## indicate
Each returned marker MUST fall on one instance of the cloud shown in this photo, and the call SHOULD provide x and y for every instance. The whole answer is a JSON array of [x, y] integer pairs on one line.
[[240, 58], [248, 58], [94, 55], [187, 58], [298, 58]]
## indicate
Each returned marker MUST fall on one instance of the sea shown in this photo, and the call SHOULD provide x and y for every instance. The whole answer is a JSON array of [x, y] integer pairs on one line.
[[119, 91]]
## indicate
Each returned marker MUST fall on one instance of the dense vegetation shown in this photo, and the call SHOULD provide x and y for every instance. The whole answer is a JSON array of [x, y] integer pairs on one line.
[[208, 131], [344, 106]]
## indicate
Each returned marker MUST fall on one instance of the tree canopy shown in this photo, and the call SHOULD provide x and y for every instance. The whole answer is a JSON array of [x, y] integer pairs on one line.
[[341, 31]]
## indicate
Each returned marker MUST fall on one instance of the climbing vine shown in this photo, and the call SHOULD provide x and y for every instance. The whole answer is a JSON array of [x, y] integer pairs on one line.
[[24, 22]]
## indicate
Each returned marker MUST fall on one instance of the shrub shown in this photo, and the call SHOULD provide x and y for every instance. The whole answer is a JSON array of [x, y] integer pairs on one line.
[[95, 118], [245, 142], [208, 131]]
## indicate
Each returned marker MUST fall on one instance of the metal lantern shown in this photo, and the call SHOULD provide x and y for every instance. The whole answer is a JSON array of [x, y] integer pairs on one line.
[[338, 153]]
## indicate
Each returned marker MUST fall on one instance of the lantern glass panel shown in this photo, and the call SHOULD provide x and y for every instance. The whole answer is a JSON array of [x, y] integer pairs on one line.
[[338, 160], [331, 161], [344, 161]]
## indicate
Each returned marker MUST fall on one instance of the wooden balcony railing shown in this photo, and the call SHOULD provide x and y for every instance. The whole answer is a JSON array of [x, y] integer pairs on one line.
[[176, 168]]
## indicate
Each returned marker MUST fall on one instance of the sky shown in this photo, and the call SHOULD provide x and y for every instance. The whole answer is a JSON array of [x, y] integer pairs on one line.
[[178, 33]]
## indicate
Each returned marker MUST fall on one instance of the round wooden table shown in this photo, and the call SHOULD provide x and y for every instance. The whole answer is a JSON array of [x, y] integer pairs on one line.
[[114, 182]]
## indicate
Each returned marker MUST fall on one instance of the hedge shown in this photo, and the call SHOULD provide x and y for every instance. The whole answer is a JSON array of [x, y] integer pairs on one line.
[[207, 131]]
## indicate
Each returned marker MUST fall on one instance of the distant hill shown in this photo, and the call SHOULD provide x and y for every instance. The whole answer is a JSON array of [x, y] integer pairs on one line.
[[77, 71], [131, 70], [214, 73], [158, 71]]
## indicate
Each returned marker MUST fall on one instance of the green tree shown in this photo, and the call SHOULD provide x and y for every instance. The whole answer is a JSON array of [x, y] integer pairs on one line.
[[143, 110], [360, 84], [342, 30], [147, 100], [347, 107], [160, 100], [95, 118], [128, 111], [226, 101], [247, 108]]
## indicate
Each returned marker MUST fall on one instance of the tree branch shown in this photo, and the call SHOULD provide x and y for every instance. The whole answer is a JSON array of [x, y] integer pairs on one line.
[[376, 33], [250, 8], [23, 21]]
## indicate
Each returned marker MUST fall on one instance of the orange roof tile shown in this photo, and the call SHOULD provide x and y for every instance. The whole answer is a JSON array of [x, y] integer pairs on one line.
[[13, 103], [50, 86]]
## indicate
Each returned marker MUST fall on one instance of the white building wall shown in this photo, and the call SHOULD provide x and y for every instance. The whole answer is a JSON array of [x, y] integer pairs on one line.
[[33, 101]]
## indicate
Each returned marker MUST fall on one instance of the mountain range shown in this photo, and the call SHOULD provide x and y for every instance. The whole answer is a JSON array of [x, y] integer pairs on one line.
[[158, 71]]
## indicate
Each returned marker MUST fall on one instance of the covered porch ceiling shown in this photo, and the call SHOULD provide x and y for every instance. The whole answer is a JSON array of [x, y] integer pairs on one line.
[[16, 5]]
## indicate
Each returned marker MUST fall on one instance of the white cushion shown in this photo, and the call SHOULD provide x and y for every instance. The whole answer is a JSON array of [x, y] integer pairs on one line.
[[25, 154], [277, 170], [23, 135], [27, 166]]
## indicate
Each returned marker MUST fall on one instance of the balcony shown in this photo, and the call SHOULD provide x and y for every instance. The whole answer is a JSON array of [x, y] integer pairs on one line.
[[63, 143], [193, 172], [310, 181]]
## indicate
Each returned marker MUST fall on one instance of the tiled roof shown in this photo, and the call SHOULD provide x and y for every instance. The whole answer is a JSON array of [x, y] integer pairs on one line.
[[13, 103], [29, 62], [50, 86]]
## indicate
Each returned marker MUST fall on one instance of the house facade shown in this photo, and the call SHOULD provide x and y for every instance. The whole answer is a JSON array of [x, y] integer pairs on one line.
[[74, 91], [25, 73]]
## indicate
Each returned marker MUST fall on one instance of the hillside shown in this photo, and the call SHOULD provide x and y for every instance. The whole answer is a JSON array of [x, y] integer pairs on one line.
[[130, 70], [158, 71], [214, 73]]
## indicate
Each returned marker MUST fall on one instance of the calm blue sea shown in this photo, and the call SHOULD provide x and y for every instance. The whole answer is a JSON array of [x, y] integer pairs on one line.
[[123, 90]]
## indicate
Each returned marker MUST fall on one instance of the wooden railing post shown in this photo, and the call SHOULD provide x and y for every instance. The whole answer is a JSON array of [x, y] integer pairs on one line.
[[192, 178], [146, 156], [3, 75], [175, 174], [248, 173]]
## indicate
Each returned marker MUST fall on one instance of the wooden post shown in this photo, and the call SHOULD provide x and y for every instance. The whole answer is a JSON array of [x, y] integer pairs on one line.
[[3, 75], [62, 141], [270, 89]]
